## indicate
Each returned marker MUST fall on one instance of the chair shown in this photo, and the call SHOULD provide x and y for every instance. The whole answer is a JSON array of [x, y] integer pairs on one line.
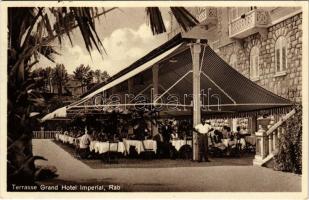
[[214, 149], [148, 153], [250, 146], [185, 152]]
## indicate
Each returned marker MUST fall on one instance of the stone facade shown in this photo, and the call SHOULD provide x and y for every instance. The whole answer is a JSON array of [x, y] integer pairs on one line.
[[287, 84]]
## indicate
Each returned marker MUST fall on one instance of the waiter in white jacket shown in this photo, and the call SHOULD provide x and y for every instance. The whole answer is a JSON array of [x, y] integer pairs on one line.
[[203, 129]]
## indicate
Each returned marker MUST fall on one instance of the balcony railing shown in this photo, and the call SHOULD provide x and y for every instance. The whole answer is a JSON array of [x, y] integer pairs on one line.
[[267, 140], [249, 23]]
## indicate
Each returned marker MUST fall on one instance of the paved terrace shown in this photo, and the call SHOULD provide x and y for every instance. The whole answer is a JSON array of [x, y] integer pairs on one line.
[[204, 178]]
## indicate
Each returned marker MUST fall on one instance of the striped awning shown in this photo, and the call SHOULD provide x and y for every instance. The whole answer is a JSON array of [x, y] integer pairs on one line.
[[224, 91]]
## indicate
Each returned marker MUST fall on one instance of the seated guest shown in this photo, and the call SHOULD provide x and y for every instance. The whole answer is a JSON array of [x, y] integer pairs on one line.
[[174, 135], [218, 136], [181, 135], [227, 134], [84, 145], [217, 140], [102, 137], [240, 138], [224, 132]]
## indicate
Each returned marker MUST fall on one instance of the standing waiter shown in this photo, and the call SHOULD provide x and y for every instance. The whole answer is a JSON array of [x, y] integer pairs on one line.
[[203, 129]]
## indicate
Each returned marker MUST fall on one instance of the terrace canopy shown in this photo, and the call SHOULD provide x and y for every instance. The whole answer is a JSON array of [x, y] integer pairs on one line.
[[163, 79]]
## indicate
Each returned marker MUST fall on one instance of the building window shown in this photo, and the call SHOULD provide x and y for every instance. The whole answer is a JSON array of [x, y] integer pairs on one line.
[[280, 55], [254, 63], [233, 60]]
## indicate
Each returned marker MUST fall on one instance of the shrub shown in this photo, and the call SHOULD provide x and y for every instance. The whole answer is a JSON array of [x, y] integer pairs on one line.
[[289, 155]]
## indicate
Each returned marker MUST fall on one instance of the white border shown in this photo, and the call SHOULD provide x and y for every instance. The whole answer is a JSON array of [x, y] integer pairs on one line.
[[197, 195]]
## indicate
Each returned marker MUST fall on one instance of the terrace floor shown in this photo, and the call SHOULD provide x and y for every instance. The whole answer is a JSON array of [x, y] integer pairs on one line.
[[220, 175]]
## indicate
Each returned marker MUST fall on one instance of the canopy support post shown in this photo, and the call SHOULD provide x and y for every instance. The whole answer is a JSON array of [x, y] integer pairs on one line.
[[155, 92], [130, 85], [195, 51]]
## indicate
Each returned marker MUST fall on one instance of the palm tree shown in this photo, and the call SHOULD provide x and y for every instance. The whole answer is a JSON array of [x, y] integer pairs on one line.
[[30, 33], [104, 76], [100, 76], [97, 75], [48, 77], [80, 73], [44, 78], [60, 77]]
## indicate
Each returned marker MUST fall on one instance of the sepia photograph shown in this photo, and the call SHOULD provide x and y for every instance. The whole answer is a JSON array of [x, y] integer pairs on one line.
[[163, 99]]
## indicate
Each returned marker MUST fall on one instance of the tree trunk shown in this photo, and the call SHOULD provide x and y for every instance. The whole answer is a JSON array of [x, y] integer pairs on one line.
[[60, 89]]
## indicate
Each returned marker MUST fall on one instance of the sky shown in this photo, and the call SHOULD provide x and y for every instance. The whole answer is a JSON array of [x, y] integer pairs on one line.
[[125, 36]]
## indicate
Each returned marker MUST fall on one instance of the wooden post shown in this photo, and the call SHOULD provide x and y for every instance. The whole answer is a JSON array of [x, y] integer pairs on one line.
[[253, 124], [196, 50], [155, 85], [130, 85], [271, 135], [270, 143]]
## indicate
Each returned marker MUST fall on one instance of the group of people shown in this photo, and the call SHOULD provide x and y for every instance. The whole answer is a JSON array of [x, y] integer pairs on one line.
[[206, 133], [168, 129]]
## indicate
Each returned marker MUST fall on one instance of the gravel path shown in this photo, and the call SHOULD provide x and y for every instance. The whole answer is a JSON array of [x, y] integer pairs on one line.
[[205, 178]]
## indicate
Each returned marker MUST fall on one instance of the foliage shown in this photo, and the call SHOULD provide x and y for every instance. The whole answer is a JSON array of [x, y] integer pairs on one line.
[[185, 19], [289, 155], [30, 33], [84, 74], [101, 76], [60, 77], [43, 77]]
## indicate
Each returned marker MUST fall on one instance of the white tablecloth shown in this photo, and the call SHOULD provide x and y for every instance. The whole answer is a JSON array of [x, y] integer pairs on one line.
[[140, 146], [66, 138], [103, 147], [179, 143]]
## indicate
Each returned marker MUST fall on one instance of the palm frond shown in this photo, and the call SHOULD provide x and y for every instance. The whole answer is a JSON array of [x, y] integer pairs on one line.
[[155, 20], [184, 18], [85, 23], [48, 52]]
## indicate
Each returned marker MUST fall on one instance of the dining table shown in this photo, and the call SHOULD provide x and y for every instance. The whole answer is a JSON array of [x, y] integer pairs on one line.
[[140, 145], [103, 147], [177, 143]]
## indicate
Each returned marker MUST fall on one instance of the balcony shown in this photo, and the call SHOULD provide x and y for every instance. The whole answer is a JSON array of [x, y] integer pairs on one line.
[[207, 15], [251, 22]]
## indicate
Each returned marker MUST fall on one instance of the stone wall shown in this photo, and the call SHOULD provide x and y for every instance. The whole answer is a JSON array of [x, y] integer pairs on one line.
[[288, 85]]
